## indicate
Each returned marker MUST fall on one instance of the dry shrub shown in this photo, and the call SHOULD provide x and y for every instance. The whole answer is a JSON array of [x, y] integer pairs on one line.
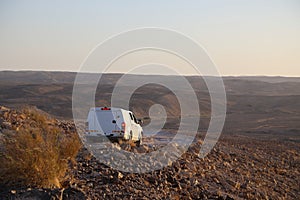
[[37, 154]]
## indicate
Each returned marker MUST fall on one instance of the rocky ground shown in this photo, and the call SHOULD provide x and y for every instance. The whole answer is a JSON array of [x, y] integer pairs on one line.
[[239, 167]]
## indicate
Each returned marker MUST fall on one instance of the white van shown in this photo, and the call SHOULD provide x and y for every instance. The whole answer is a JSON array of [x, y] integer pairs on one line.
[[115, 123]]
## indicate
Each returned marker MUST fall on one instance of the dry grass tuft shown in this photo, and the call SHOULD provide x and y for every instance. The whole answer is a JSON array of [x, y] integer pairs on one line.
[[37, 154]]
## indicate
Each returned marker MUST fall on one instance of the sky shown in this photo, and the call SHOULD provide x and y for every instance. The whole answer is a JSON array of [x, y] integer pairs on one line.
[[257, 37]]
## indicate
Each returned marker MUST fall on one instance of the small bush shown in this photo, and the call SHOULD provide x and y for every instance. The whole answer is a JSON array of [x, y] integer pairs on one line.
[[37, 153]]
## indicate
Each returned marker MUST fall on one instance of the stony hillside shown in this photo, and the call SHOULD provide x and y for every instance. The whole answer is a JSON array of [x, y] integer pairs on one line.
[[239, 167]]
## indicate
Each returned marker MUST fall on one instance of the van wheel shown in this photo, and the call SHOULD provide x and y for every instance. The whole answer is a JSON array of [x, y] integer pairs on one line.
[[139, 142], [130, 136], [119, 141]]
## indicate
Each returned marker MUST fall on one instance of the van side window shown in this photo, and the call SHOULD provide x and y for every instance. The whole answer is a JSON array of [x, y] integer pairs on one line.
[[134, 119], [131, 116]]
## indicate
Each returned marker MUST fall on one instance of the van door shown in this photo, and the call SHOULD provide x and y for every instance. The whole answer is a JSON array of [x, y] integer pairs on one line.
[[134, 127], [108, 120], [118, 120]]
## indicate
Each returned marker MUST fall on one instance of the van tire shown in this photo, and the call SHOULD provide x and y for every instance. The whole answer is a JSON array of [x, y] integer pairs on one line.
[[139, 142], [120, 141], [130, 136]]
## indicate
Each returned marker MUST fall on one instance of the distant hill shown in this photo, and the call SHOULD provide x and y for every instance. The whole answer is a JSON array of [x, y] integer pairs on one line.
[[264, 103], [268, 79]]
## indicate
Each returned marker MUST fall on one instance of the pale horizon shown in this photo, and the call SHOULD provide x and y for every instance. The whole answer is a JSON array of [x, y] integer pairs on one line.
[[230, 75]]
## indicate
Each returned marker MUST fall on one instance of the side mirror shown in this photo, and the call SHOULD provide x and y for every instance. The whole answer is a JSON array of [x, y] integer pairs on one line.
[[140, 121]]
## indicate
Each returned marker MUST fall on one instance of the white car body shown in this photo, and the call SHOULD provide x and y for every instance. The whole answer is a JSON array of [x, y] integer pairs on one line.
[[115, 123]]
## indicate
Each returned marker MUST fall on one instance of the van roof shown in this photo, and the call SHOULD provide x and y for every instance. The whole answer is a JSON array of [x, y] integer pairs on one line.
[[107, 108]]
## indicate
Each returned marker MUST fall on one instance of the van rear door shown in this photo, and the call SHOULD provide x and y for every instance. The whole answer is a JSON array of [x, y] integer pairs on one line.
[[108, 120]]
